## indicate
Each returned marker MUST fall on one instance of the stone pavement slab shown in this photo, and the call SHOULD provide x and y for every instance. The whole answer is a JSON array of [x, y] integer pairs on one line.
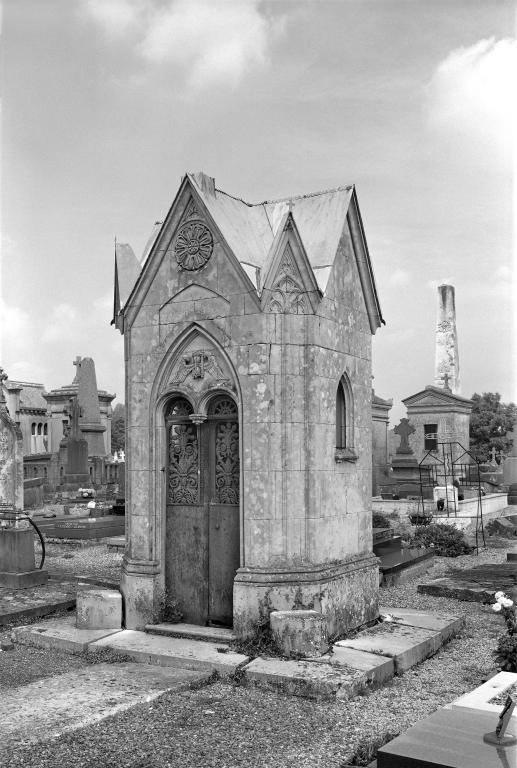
[[60, 634], [173, 651], [192, 631], [36, 601], [309, 679], [445, 623], [378, 669], [47, 708], [480, 697], [407, 646]]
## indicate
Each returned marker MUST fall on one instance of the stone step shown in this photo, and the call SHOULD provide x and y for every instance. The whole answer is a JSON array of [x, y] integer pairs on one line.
[[511, 556], [192, 632], [199, 655]]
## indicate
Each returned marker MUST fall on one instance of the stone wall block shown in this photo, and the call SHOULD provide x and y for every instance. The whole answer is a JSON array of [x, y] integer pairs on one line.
[[299, 633], [99, 609]]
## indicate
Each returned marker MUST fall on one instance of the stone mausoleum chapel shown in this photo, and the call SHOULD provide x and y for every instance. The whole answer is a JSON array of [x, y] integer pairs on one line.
[[248, 389]]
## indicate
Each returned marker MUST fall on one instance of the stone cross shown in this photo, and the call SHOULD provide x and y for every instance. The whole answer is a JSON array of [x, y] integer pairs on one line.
[[77, 363], [492, 456], [446, 381], [404, 429]]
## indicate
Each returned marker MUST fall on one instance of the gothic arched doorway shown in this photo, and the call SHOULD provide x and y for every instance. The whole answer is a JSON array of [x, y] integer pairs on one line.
[[202, 539]]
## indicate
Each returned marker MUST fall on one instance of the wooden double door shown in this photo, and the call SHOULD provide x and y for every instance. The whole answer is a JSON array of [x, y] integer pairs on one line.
[[202, 534]]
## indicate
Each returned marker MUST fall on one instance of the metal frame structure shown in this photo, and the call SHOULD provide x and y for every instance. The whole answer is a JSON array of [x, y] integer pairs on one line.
[[448, 465]]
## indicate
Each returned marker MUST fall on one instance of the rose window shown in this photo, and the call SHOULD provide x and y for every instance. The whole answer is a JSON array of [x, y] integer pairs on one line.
[[194, 246]]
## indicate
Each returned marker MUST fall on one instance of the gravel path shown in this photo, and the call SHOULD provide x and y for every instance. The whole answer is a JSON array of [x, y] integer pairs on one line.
[[234, 726], [92, 560]]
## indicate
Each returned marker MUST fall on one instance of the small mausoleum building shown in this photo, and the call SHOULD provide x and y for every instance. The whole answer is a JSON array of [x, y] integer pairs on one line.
[[249, 426]]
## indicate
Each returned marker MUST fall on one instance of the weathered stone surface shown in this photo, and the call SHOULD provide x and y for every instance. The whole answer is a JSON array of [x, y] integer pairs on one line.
[[252, 322], [61, 634], [219, 635], [378, 669], [307, 679], [476, 584], [173, 652], [47, 708], [299, 632], [99, 609], [445, 623], [407, 646], [36, 601]]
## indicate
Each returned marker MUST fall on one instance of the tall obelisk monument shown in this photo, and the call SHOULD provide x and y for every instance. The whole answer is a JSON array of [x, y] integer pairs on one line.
[[447, 367]]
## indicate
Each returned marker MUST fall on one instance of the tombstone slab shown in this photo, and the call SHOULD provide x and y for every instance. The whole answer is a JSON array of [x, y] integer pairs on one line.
[[299, 632], [99, 609], [448, 739]]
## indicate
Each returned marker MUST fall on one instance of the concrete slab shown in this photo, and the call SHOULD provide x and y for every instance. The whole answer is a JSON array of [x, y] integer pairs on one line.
[[481, 696], [511, 556], [378, 669], [60, 634], [36, 601], [192, 631], [47, 708], [173, 651], [99, 608], [308, 679], [407, 646], [462, 589], [445, 623]]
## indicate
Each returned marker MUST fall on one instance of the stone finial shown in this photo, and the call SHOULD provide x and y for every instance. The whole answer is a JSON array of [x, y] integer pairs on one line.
[[3, 377], [404, 429]]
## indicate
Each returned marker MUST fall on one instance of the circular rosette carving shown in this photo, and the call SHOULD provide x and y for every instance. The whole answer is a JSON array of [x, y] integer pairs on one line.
[[194, 246]]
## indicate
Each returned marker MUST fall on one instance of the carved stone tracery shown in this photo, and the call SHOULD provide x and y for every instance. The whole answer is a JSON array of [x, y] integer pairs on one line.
[[194, 245], [197, 364], [287, 295]]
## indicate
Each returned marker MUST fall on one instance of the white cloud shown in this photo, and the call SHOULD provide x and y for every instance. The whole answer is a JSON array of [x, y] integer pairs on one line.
[[210, 42], [399, 277], [62, 324], [15, 326], [472, 95], [117, 18]]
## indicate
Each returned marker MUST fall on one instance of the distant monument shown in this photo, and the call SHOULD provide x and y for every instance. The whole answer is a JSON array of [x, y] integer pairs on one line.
[[447, 356], [404, 464], [16, 537], [90, 418], [510, 463], [77, 473]]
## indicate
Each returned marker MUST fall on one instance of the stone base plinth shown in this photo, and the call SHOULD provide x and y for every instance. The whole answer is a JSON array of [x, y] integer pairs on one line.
[[345, 593], [99, 609], [139, 585], [510, 470], [17, 550], [299, 633], [23, 579]]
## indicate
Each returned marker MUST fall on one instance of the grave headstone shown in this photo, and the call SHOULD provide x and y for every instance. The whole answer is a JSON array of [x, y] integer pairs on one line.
[[77, 450]]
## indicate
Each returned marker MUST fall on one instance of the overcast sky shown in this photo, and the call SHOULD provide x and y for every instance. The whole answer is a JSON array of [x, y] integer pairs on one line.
[[106, 103]]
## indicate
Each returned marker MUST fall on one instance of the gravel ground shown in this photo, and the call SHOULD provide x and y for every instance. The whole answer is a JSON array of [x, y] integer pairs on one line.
[[92, 560], [233, 726]]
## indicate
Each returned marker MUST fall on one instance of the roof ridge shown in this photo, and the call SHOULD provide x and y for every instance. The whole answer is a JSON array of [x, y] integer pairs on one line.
[[345, 188]]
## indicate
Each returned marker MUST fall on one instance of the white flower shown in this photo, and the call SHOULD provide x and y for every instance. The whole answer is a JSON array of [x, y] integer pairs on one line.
[[496, 607], [387, 617], [506, 602], [498, 595]]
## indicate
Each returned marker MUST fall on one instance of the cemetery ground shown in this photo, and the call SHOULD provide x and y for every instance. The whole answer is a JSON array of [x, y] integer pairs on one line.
[[208, 722]]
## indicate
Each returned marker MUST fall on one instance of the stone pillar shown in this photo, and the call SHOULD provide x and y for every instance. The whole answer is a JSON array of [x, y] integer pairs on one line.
[[447, 365], [510, 463], [16, 536]]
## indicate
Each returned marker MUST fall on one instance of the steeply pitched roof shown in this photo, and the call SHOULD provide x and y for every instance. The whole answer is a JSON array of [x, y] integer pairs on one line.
[[250, 230]]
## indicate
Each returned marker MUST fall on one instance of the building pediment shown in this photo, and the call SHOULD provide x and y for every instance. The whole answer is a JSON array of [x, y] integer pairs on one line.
[[437, 398]]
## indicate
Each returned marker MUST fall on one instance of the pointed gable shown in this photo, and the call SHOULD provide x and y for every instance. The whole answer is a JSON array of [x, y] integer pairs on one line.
[[289, 282], [436, 398], [255, 236]]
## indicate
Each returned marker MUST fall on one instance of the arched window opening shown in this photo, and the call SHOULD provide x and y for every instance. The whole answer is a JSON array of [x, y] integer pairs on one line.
[[40, 428], [345, 421], [340, 417], [33, 428], [45, 429]]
